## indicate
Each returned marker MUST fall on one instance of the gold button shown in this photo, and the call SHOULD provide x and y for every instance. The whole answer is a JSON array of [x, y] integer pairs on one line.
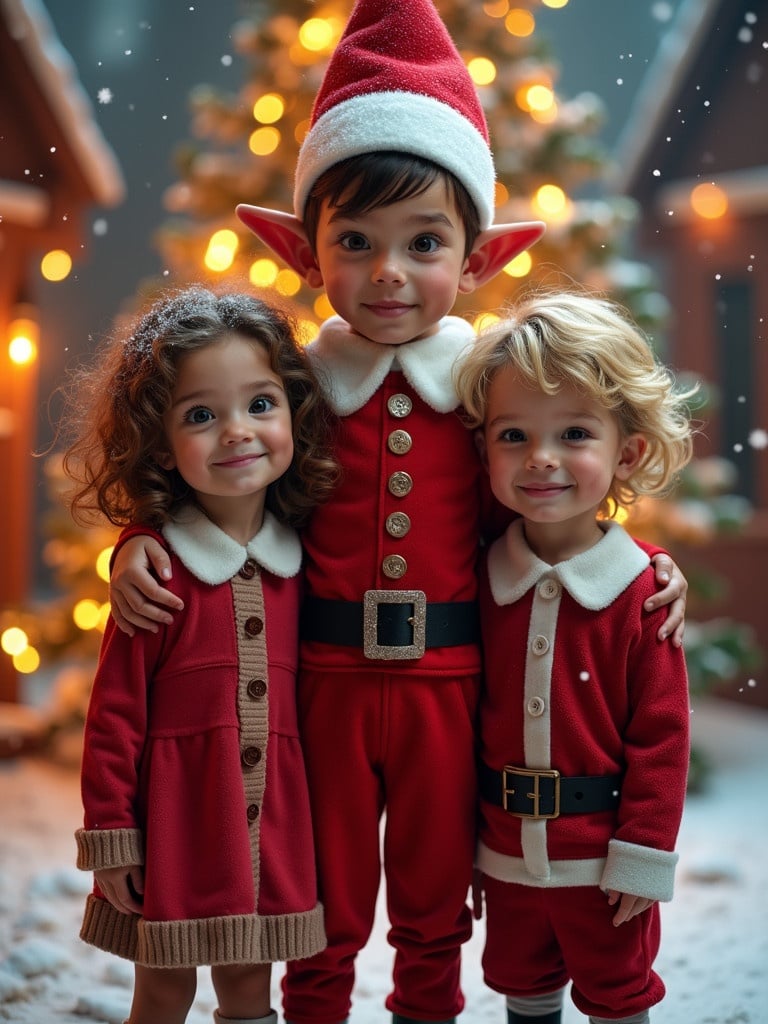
[[397, 524], [253, 626], [399, 405], [399, 442], [394, 567], [400, 484]]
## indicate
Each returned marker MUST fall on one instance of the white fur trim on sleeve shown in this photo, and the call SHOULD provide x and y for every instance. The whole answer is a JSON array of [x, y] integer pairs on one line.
[[639, 870]]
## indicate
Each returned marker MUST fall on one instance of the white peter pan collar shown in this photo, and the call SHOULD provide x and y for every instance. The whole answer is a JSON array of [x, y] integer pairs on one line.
[[214, 557], [594, 579], [352, 368]]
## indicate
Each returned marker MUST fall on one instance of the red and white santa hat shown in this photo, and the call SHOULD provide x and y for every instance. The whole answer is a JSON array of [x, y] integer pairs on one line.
[[397, 82]]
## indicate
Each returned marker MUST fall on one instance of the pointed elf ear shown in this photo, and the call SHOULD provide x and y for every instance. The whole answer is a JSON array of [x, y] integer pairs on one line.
[[494, 248], [285, 236]]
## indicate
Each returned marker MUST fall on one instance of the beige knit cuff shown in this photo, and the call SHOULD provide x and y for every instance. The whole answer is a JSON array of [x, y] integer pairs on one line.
[[108, 848]]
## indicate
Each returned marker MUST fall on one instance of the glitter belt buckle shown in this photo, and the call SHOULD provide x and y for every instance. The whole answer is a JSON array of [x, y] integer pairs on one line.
[[372, 600]]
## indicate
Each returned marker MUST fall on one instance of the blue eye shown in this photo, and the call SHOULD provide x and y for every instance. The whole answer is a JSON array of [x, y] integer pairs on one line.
[[575, 434]]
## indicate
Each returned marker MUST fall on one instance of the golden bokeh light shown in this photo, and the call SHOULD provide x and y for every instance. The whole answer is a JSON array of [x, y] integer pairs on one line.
[[23, 338], [551, 203], [317, 35], [520, 266], [263, 273], [709, 201], [322, 308], [520, 23], [102, 563], [484, 321], [269, 108], [85, 614], [56, 265], [287, 283], [264, 141], [481, 70], [27, 662], [222, 247], [14, 640], [496, 8]]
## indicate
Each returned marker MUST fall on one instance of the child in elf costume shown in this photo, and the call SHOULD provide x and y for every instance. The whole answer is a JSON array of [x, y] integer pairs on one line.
[[393, 213]]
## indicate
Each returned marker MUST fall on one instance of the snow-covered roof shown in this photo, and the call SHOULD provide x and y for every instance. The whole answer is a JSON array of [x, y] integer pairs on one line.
[[29, 24], [677, 52]]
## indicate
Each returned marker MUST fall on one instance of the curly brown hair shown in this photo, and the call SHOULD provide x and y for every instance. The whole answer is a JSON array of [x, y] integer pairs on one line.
[[115, 409]]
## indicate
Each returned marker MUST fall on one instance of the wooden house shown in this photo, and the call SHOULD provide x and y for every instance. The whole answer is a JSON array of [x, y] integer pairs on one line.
[[694, 154], [54, 165]]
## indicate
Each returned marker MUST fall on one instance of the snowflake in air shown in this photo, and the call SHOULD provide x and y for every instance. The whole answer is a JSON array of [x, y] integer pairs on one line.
[[105, 95]]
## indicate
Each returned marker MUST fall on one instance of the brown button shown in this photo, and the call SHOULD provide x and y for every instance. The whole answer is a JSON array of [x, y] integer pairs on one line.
[[252, 812], [248, 570], [399, 442], [400, 484], [397, 524], [394, 567], [399, 405], [256, 688], [253, 626], [250, 756]]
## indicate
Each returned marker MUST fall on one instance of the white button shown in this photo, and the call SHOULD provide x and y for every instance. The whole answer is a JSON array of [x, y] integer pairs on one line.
[[536, 706], [549, 589], [540, 645]]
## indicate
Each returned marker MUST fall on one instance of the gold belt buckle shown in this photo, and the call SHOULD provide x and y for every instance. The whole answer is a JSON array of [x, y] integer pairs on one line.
[[371, 601], [508, 790]]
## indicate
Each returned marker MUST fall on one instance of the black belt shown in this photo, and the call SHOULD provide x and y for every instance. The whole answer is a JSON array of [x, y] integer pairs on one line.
[[529, 793], [395, 624]]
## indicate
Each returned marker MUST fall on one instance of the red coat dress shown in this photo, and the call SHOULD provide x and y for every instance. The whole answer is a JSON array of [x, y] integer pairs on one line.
[[192, 764]]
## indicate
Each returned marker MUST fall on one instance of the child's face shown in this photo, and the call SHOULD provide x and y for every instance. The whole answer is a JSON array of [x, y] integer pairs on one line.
[[229, 426], [394, 272], [552, 458]]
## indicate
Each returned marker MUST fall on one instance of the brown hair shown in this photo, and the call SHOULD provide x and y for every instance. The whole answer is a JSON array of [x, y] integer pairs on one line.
[[115, 410], [366, 182]]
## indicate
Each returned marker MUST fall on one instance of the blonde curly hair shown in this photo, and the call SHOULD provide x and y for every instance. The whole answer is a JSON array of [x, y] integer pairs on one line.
[[556, 339]]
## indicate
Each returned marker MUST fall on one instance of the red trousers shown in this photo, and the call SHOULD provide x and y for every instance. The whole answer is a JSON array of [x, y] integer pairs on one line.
[[403, 745], [538, 939]]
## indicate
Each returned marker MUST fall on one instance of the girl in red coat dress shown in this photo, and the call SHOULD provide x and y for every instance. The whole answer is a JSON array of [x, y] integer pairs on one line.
[[206, 423], [584, 714], [393, 216]]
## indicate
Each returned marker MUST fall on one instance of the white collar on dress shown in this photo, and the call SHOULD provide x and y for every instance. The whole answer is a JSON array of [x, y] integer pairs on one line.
[[214, 557], [594, 578], [352, 368]]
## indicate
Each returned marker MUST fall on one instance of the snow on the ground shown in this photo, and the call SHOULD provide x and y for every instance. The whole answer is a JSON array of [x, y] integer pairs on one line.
[[714, 955]]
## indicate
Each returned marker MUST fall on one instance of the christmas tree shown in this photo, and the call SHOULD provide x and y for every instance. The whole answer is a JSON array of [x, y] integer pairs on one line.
[[546, 149], [244, 148]]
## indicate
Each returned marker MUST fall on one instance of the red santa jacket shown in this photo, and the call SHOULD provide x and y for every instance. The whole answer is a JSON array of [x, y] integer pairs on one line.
[[192, 764], [576, 680]]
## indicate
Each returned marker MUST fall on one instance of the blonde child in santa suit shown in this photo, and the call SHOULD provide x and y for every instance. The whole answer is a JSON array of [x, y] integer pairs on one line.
[[583, 724], [197, 816], [393, 214]]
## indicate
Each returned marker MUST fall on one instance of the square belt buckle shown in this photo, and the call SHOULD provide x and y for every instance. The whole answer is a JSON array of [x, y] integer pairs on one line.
[[371, 601], [508, 790]]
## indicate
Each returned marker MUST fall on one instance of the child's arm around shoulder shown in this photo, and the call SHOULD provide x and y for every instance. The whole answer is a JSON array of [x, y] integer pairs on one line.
[[673, 593], [137, 599]]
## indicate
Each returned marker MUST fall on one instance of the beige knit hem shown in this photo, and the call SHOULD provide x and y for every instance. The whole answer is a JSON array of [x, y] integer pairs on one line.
[[245, 938]]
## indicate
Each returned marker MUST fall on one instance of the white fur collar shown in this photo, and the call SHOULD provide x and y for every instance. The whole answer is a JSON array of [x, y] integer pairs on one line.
[[214, 557], [352, 368], [595, 578]]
